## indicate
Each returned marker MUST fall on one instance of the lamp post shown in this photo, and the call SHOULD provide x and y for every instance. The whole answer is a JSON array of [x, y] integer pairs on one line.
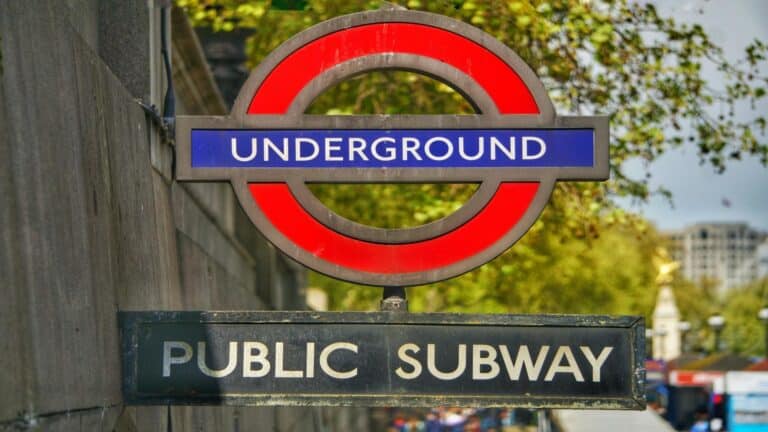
[[763, 315], [684, 327], [717, 322]]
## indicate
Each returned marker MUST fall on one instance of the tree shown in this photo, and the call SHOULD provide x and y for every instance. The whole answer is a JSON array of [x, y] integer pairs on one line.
[[743, 332], [611, 57], [546, 272], [697, 302]]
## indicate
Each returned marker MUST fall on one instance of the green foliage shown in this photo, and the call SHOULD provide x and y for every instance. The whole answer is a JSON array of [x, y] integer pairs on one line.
[[743, 332], [394, 205], [289, 4], [547, 271], [697, 302], [608, 57]]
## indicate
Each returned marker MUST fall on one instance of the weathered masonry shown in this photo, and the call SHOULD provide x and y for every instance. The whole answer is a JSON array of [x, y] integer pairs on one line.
[[91, 223]]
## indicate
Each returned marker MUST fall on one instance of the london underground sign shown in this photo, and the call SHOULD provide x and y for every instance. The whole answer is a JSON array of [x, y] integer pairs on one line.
[[516, 147]]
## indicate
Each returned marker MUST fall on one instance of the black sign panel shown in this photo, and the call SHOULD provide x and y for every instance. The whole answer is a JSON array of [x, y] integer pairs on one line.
[[381, 358]]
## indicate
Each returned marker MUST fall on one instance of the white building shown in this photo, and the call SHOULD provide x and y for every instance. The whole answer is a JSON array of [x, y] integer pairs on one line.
[[761, 256], [723, 252], [666, 326]]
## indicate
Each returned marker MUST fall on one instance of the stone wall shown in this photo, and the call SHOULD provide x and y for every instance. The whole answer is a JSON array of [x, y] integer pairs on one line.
[[92, 223]]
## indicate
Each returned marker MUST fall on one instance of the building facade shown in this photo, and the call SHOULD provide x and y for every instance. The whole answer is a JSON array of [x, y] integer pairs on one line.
[[762, 259], [724, 253]]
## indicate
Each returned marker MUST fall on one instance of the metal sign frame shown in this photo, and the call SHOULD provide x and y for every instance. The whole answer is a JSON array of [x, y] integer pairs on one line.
[[498, 108], [135, 324]]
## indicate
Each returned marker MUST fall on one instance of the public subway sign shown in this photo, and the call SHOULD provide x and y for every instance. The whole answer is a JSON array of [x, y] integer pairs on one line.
[[515, 147], [381, 359]]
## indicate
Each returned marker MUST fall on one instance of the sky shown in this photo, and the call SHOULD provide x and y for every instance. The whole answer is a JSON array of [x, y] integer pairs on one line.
[[698, 191]]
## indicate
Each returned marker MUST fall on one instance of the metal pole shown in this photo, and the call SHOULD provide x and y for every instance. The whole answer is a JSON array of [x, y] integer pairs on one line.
[[394, 300], [766, 339], [717, 341]]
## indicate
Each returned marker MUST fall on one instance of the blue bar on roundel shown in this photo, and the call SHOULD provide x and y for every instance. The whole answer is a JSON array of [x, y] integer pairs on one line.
[[411, 148]]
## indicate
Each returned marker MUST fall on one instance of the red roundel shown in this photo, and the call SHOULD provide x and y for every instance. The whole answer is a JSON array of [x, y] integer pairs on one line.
[[500, 81], [504, 90], [502, 213], [296, 71]]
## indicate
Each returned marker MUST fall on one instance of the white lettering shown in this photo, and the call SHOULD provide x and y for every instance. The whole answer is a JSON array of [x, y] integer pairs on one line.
[[484, 355], [315, 149], [402, 353], [480, 150], [310, 359], [564, 352], [448, 152], [221, 373], [280, 371], [248, 158], [333, 373], [249, 359], [169, 359], [460, 367], [523, 360], [391, 154], [281, 153], [411, 146], [356, 147], [542, 148], [497, 145], [330, 147], [596, 363]]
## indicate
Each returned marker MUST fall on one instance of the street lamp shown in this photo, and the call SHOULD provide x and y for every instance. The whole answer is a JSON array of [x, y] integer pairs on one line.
[[763, 315], [684, 327], [717, 322]]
